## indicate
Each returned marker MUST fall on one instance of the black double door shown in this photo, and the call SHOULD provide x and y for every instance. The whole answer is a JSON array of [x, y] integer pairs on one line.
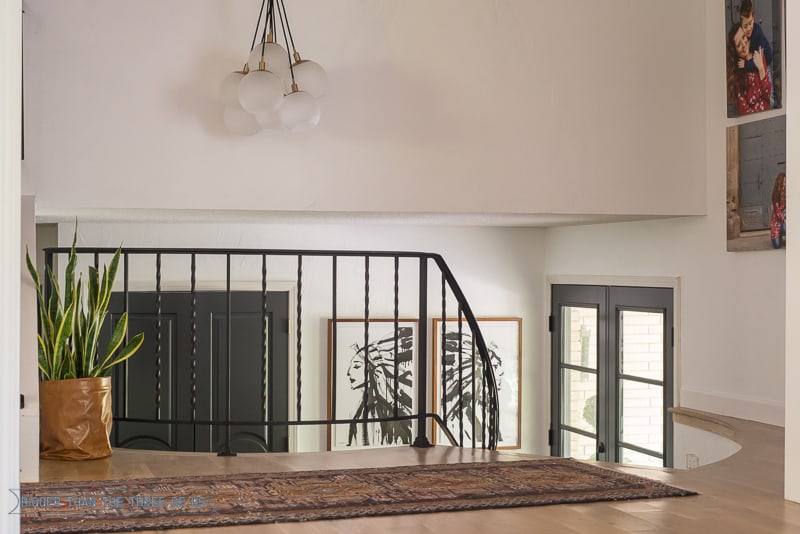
[[181, 371], [612, 373]]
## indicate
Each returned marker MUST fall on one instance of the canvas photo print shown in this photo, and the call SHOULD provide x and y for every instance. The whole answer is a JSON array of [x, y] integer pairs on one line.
[[754, 53], [756, 185]]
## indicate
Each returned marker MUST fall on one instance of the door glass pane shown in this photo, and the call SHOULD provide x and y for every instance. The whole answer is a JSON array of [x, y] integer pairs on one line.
[[642, 415], [578, 446], [579, 341], [642, 344], [579, 400], [629, 456]]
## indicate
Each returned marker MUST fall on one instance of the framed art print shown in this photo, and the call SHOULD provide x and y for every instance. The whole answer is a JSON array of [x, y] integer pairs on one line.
[[463, 408], [373, 379]]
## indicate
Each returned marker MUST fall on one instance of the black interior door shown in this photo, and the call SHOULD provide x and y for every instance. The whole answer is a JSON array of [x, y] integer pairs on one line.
[[180, 373]]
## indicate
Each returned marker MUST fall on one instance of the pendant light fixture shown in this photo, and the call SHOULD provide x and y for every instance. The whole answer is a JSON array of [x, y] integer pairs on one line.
[[272, 91]]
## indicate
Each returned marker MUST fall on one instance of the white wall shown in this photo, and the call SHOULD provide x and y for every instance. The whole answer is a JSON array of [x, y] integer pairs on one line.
[[732, 304], [510, 106], [498, 269], [792, 468], [10, 98], [29, 370]]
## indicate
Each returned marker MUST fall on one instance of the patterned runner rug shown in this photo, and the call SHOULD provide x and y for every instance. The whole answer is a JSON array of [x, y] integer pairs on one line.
[[240, 499]]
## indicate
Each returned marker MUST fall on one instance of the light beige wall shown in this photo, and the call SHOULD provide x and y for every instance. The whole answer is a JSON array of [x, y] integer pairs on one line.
[[732, 304], [510, 106]]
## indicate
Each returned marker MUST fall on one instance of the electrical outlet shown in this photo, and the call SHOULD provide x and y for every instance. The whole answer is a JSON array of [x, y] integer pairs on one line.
[[692, 461]]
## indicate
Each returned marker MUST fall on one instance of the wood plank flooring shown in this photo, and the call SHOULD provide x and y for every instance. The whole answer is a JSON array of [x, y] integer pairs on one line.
[[742, 494]]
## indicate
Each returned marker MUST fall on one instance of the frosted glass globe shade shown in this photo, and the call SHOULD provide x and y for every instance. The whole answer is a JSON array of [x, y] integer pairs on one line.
[[276, 60], [239, 121], [229, 89], [260, 90], [269, 120], [309, 77], [300, 111]]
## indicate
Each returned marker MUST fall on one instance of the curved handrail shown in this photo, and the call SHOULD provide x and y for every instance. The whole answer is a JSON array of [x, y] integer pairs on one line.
[[494, 409]]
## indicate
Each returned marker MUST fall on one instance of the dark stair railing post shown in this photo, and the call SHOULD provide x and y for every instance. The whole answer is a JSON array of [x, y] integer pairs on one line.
[[443, 350], [396, 334], [266, 355], [124, 369], [299, 334], [460, 378], [422, 356], [334, 355], [193, 350], [158, 338], [367, 368], [226, 448]]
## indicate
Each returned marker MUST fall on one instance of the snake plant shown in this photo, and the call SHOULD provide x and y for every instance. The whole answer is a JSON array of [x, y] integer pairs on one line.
[[70, 322]]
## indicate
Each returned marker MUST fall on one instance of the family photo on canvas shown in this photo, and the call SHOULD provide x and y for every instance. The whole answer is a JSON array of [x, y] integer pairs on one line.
[[753, 56]]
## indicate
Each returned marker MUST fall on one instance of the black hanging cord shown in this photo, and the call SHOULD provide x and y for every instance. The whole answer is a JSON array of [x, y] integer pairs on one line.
[[258, 25], [284, 28], [282, 7], [266, 26]]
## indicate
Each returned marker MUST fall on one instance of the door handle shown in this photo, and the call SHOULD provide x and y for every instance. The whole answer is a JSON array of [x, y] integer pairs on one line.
[[601, 448]]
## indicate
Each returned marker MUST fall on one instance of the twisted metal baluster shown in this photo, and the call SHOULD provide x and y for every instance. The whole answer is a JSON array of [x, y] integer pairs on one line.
[[460, 380], [158, 336], [97, 269], [264, 348], [365, 426], [299, 332], [126, 307], [334, 355], [193, 349], [444, 351], [474, 399], [396, 332], [483, 404]]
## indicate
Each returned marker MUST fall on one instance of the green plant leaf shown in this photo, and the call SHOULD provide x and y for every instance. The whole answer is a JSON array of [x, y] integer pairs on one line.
[[61, 348], [44, 362], [126, 352], [109, 275], [71, 318], [117, 337], [69, 274]]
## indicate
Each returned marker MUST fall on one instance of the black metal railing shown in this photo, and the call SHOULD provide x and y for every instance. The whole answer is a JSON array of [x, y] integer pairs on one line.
[[393, 388]]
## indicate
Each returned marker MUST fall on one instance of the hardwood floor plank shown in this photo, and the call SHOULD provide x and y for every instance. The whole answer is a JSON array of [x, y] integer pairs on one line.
[[741, 494]]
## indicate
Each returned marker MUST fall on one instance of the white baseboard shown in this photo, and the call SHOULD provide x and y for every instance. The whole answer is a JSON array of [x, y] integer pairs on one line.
[[746, 407]]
